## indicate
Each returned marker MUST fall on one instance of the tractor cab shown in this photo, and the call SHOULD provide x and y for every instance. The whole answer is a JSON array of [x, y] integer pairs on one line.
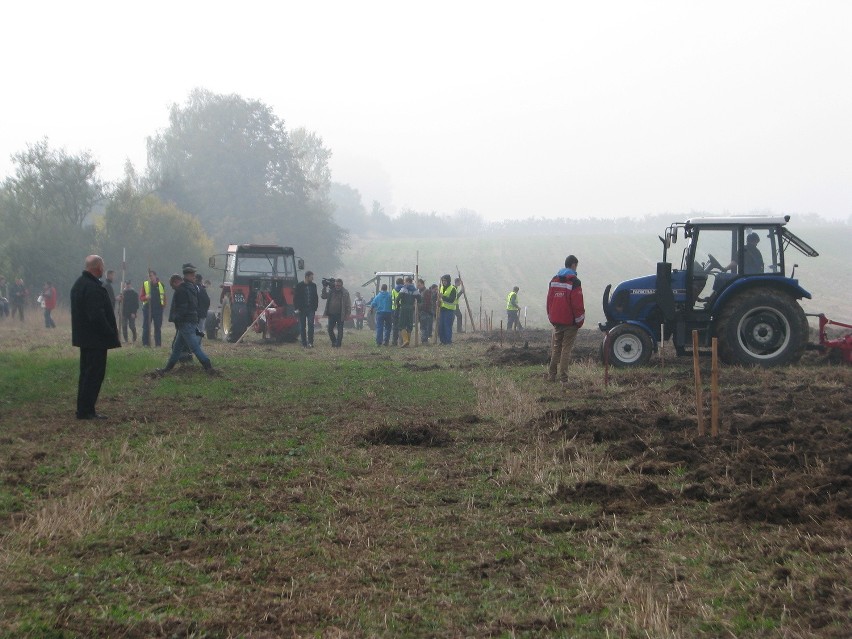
[[727, 268], [375, 284], [719, 252]]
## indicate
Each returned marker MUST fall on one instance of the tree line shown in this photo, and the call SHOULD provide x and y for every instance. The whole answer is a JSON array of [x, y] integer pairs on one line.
[[224, 170]]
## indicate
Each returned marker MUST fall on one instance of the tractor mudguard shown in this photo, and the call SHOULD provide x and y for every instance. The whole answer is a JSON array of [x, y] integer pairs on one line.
[[785, 284]]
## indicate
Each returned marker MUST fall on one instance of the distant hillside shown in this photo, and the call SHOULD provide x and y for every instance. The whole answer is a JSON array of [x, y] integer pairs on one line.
[[490, 266]]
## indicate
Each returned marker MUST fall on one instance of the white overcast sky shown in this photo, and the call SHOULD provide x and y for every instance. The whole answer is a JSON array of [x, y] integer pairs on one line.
[[512, 109]]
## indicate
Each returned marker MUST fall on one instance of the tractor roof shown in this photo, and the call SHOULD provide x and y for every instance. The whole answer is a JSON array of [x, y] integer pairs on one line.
[[259, 248], [380, 274], [745, 220]]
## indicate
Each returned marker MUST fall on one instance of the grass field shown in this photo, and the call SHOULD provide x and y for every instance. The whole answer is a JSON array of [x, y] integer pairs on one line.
[[491, 266], [432, 491]]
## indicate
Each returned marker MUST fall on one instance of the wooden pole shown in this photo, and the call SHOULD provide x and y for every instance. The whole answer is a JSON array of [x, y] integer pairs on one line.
[[416, 306], [699, 397], [714, 390], [501, 333], [466, 303], [662, 346], [436, 329], [606, 359]]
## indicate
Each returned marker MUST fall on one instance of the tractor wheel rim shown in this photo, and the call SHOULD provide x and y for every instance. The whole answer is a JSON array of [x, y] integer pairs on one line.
[[763, 332], [627, 348]]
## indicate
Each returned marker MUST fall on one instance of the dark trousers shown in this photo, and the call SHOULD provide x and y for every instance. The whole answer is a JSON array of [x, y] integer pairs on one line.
[[126, 322], [48, 320], [19, 309], [426, 321], [306, 327], [92, 372], [147, 321], [395, 327], [335, 321], [459, 318], [512, 321]]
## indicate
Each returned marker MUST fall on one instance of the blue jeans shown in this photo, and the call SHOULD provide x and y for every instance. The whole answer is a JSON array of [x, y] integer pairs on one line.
[[186, 337], [445, 327], [384, 324]]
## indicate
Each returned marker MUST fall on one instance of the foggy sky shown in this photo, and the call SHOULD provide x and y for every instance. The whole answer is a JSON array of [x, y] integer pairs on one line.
[[510, 109]]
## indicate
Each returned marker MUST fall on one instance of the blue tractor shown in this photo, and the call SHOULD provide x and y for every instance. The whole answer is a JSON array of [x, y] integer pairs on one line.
[[745, 297]]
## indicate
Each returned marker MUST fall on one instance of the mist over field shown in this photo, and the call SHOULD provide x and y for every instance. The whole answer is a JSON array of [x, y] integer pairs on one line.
[[491, 266]]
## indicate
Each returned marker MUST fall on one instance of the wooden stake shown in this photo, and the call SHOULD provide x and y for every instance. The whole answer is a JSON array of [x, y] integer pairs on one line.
[[699, 397], [466, 303], [714, 390], [501, 333], [416, 305]]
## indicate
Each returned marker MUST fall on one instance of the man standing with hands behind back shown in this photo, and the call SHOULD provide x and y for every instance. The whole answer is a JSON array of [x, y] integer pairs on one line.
[[94, 331]]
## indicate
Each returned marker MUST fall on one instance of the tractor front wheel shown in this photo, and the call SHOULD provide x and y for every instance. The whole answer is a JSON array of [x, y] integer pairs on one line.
[[234, 320], [767, 328], [627, 346]]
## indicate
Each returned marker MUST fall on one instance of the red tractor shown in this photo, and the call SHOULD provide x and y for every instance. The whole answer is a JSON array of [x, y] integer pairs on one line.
[[257, 291]]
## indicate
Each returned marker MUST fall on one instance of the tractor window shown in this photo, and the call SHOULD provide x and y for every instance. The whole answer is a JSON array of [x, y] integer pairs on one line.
[[267, 264], [758, 244], [714, 254], [230, 264]]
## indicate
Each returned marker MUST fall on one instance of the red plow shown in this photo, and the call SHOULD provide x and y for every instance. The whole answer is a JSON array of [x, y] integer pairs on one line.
[[838, 349]]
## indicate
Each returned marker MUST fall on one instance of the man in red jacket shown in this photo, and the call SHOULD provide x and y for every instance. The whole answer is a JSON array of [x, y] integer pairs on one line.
[[48, 296], [566, 312]]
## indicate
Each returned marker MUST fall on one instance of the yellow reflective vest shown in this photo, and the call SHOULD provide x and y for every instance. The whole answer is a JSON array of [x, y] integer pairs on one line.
[[146, 287], [451, 292], [512, 302]]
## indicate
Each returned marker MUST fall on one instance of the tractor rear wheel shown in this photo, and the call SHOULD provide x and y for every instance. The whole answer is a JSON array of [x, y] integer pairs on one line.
[[211, 325], [762, 327], [628, 346]]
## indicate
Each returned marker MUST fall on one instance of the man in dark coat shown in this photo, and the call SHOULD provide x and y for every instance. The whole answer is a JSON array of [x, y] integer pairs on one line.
[[184, 315], [306, 301], [94, 331], [129, 309]]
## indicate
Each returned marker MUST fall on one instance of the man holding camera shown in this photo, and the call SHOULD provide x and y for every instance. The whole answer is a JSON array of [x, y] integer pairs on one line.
[[337, 307], [306, 301]]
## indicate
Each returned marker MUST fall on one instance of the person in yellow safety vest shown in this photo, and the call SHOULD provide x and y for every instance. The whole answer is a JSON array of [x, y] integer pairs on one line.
[[513, 310], [449, 303], [152, 309], [395, 311]]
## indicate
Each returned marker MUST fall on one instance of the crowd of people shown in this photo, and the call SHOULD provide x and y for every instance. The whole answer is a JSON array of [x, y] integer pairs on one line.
[[95, 328]]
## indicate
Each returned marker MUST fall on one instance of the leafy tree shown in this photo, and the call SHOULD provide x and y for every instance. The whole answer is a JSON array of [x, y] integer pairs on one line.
[[155, 234], [312, 158], [230, 162], [43, 207], [349, 212]]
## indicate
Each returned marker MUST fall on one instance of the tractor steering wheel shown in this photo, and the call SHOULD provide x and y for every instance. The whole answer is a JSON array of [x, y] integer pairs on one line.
[[712, 263]]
